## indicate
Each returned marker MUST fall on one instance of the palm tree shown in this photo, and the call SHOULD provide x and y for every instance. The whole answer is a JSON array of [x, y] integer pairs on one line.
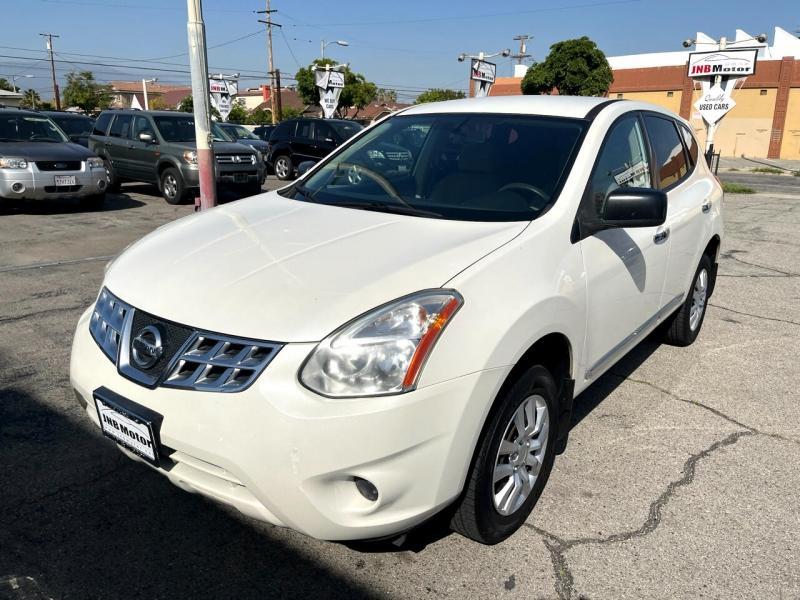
[[30, 99]]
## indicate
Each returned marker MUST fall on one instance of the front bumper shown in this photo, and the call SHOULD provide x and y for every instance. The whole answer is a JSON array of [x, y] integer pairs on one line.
[[33, 184], [282, 454], [229, 175]]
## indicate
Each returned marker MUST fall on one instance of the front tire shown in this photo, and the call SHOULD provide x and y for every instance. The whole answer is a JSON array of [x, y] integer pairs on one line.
[[113, 182], [683, 327], [172, 187], [513, 462], [284, 169]]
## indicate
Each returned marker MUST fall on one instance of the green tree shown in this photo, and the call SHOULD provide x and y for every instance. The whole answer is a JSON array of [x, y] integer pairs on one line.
[[357, 92], [31, 99], [158, 103], [238, 114], [290, 112], [85, 92], [259, 116], [438, 94], [187, 105], [5, 84], [385, 96], [573, 67]]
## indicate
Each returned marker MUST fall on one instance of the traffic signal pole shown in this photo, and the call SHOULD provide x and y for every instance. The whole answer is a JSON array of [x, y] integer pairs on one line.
[[198, 64]]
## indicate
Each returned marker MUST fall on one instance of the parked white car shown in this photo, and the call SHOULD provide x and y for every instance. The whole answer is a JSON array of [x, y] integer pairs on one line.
[[402, 331]]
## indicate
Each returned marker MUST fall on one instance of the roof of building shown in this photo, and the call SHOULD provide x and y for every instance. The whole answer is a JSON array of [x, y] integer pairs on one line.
[[10, 94]]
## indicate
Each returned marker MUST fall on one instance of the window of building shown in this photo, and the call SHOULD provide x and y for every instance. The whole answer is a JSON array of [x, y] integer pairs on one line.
[[670, 94], [619, 96], [622, 163], [763, 93], [667, 146]]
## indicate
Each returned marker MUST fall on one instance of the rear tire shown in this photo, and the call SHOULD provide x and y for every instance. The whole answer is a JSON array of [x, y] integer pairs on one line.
[[172, 187], [488, 511], [94, 202], [683, 327], [284, 169], [113, 183]]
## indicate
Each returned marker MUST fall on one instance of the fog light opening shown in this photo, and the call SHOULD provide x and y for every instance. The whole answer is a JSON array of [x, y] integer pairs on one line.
[[18, 187], [101, 184], [366, 489]]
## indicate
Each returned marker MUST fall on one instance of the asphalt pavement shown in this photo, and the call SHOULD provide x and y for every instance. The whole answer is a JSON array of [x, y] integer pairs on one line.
[[680, 479]]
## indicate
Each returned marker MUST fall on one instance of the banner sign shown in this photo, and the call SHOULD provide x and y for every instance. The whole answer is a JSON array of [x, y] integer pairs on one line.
[[736, 63], [221, 93], [330, 84], [483, 73], [714, 104]]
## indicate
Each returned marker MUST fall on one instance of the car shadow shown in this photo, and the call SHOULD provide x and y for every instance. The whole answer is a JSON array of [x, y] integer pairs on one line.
[[114, 202], [85, 522], [224, 195]]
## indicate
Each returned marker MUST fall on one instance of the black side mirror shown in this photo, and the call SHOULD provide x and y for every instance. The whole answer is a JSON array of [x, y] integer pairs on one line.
[[304, 166], [634, 207]]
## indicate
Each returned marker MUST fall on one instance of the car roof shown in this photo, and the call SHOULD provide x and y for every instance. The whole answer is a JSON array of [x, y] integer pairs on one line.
[[153, 113], [18, 111], [576, 107], [62, 113]]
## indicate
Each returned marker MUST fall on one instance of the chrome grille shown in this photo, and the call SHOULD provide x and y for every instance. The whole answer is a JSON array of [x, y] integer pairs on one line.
[[219, 363], [236, 159], [107, 323], [193, 359]]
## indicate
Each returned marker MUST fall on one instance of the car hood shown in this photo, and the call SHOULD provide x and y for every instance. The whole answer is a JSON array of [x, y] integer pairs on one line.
[[289, 271], [33, 151], [259, 145]]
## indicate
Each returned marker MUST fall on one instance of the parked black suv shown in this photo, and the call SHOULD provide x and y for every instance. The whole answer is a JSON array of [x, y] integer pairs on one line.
[[78, 127], [264, 131], [300, 140], [159, 147]]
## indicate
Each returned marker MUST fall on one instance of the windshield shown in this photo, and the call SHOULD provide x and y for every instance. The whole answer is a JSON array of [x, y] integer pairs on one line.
[[346, 129], [181, 129], [78, 126], [473, 167], [240, 132], [29, 128]]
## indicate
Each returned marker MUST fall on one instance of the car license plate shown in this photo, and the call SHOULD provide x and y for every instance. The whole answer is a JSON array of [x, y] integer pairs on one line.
[[129, 424], [65, 180], [240, 177]]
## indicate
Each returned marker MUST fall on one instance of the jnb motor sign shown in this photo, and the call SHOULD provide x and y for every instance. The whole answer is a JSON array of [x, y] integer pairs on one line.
[[736, 63]]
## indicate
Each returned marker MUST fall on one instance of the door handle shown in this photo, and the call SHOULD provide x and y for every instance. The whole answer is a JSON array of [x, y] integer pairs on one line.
[[661, 235], [706, 206]]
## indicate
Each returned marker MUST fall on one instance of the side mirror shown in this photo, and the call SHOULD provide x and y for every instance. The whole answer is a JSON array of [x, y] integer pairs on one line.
[[304, 166], [634, 207], [146, 138], [330, 140]]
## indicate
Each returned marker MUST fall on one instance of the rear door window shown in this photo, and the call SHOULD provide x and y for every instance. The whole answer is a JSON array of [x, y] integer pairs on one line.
[[101, 125], [671, 165], [305, 130], [691, 143], [121, 126]]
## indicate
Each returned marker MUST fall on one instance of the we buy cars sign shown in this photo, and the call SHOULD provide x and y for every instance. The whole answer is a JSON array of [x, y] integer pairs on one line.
[[732, 63], [330, 84]]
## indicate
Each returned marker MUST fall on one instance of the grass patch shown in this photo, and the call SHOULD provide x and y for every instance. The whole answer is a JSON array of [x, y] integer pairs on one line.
[[797, 173], [771, 170], [733, 169], [736, 188]]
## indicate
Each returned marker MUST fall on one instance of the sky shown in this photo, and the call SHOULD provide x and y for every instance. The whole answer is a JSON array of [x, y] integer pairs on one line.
[[409, 46]]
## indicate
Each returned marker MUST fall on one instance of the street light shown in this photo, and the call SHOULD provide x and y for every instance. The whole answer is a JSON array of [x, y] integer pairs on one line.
[[482, 55], [144, 89], [14, 80], [323, 44]]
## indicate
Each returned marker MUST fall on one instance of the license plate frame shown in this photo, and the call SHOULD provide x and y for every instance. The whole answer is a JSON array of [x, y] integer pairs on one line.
[[240, 177], [62, 180], [142, 424]]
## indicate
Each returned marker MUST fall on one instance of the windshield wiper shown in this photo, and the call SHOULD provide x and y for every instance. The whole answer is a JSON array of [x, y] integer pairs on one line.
[[398, 209]]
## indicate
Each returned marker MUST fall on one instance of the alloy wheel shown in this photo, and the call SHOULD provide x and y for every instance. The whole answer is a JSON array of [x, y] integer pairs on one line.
[[281, 167], [170, 186], [520, 456], [699, 296]]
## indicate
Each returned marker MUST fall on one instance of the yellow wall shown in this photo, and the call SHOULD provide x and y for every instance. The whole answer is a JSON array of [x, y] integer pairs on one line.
[[746, 128], [790, 148], [658, 98]]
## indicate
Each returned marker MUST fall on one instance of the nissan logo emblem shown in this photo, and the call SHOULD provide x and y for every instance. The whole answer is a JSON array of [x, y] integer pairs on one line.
[[147, 347]]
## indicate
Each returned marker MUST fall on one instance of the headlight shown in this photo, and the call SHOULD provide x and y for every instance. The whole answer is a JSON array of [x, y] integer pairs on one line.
[[190, 156], [383, 351], [12, 162], [94, 163]]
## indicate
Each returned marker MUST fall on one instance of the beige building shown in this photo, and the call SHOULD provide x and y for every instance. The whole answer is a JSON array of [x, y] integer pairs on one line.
[[764, 123]]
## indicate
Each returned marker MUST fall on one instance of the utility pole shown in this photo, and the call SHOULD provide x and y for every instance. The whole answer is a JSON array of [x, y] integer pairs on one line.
[[270, 67], [278, 101], [198, 64], [56, 95], [522, 38]]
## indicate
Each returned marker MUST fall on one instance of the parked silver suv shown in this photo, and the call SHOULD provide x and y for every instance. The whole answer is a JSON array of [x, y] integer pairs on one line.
[[38, 162]]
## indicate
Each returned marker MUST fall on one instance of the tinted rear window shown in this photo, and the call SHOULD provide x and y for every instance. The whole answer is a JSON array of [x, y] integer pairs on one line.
[[101, 125], [283, 130], [670, 158]]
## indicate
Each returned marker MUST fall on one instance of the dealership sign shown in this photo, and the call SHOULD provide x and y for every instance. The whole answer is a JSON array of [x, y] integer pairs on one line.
[[483, 73], [714, 104], [221, 93], [330, 84], [735, 63]]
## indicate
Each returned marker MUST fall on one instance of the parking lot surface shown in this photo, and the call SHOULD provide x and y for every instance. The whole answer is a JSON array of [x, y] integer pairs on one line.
[[680, 479]]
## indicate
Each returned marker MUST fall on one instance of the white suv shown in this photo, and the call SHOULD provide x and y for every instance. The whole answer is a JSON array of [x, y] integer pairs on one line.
[[402, 331]]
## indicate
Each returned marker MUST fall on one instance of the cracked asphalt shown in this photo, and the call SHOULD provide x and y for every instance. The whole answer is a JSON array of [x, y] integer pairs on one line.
[[680, 480]]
